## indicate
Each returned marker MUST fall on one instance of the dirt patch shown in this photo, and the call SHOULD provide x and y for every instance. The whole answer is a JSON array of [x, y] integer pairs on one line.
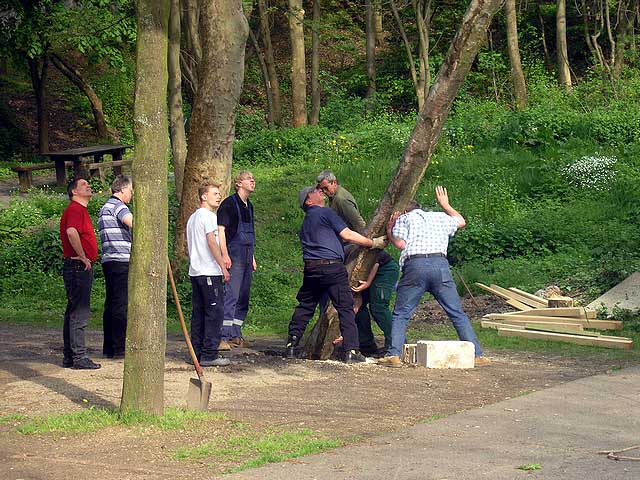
[[259, 389]]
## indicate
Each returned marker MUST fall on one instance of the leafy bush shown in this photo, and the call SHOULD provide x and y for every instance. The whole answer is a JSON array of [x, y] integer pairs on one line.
[[39, 251]]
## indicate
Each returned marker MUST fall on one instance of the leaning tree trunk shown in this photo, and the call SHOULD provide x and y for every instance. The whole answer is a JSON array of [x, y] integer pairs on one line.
[[517, 76], [39, 82], [370, 48], [176, 116], [298, 71], [564, 73], [315, 65], [75, 77], [224, 32], [417, 154], [270, 61], [143, 382]]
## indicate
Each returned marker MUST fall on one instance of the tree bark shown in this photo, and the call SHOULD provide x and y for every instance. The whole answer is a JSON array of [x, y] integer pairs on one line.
[[564, 72], [422, 10], [543, 37], [379, 28], [517, 76], [265, 77], [298, 70], [75, 77], [315, 65], [370, 48], [418, 151], [190, 61], [38, 68], [626, 18], [224, 32], [270, 61], [143, 382], [176, 116]]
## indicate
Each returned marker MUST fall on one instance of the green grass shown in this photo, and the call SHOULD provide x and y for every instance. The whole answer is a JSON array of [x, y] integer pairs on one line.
[[14, 417], [253, 450], [92, 419]]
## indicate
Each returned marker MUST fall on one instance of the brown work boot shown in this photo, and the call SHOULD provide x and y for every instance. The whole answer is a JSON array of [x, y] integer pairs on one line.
[[239, 342], [224, 346], [393, 361], [481, 361]]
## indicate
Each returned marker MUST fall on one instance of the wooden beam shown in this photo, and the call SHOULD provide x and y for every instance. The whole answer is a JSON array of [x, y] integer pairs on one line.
[[549, 327], [529, 295], [574, 312], [609, 342], [497, 325], [519, 298], [514, 303], [585, 322]]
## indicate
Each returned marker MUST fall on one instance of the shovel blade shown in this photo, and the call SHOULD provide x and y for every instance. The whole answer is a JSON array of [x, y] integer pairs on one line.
[[198, 394]]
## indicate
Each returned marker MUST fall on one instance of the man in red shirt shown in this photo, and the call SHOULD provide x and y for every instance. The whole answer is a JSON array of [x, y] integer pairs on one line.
[[80, 249]]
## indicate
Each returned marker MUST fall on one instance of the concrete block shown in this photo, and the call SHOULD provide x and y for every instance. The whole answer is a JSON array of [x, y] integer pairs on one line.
[[445, 354], [409, 353], [625, 295]]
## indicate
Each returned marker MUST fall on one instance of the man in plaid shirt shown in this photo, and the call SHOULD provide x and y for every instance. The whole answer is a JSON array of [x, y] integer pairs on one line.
[[423, 238]]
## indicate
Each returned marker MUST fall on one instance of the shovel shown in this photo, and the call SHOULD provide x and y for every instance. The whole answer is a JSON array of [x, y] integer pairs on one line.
[[199, 389]]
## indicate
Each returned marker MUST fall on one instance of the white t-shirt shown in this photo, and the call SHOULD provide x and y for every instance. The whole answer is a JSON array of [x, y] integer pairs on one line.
[[201, 261]]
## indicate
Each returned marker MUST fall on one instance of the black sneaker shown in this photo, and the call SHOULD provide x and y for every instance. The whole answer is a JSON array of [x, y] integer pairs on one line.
[[67, 362], [353, 356], [85, 364]]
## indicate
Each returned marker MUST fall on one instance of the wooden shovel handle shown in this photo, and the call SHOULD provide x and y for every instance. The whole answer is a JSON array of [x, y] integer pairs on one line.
[[184, 325]]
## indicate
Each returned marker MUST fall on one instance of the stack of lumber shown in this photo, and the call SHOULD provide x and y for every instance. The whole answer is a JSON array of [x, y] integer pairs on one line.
[[553, 319]]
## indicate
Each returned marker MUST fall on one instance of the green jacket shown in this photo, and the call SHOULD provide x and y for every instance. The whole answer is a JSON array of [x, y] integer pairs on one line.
[[346, 207]]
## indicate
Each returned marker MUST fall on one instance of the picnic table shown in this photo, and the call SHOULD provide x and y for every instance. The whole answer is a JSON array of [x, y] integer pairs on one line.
[[76, 155]]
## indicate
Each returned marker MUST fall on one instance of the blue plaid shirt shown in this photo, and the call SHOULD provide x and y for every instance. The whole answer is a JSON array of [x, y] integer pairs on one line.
[[424, 232]]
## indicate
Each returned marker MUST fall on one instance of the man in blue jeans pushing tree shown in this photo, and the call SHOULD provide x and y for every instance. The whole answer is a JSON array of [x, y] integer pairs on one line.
[[423, 238]]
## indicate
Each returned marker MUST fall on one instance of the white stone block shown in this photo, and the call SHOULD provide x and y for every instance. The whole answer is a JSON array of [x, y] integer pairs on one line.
[[445, 354]]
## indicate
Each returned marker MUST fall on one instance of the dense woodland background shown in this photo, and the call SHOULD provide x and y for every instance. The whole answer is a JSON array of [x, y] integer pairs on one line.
[[540, 152]]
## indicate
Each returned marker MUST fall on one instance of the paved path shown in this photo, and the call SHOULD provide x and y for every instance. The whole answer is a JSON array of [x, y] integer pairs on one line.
[[560, 428]]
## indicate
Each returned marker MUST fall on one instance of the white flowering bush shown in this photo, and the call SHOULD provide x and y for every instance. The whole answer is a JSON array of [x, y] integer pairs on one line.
[[591, 172]]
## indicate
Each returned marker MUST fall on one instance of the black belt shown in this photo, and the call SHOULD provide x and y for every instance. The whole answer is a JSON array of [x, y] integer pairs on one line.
[[425, 255], [310, 263]]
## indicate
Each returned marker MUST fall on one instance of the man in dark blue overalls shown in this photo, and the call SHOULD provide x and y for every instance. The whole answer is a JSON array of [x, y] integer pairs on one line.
[[237, 241]]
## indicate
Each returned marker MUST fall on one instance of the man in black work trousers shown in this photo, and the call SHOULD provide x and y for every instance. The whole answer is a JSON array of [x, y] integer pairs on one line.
[[324, 271]]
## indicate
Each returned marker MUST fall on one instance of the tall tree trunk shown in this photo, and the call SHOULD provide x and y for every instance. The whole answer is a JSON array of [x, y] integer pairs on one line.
[[190, 15], [564, 72], [75, 77], [377, 20], [176, 116], [143, 382], [265, 76], [298, 70], [417, 85], [422, 9], [423, 141], [224, 32], [269, 59], [370, 48], [543, 37], [38, 68], [315, 65], [517, 76], [624, 31]]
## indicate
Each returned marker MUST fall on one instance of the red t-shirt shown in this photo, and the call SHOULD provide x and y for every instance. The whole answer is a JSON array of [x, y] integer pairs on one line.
[[76, 215]]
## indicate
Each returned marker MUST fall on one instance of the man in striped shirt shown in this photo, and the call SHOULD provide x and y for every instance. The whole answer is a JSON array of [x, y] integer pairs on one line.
[[114, 225]]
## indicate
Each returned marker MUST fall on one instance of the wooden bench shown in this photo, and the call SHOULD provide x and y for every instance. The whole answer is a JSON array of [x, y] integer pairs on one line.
[[25, 173]]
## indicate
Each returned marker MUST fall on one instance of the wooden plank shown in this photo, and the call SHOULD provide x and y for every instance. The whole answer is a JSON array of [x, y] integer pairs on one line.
[[609, 342], [574, 326], [519, 298], [497, 325], [585, 322], [548, 327], [510, 301], [529, 295], [574, 312]]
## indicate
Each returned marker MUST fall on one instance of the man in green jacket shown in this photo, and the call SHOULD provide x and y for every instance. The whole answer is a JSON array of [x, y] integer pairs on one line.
[[341, 201]]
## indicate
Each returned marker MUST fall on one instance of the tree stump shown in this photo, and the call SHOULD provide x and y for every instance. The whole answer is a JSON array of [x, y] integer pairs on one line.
[[556, 302]]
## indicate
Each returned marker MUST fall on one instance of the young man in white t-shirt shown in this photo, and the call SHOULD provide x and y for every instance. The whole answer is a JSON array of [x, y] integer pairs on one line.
[[207, 273]]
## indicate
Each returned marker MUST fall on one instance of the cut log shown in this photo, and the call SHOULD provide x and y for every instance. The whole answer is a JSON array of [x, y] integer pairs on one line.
[[585, 322], [529, 295], [573, 312], [608, 342], [557, 302]]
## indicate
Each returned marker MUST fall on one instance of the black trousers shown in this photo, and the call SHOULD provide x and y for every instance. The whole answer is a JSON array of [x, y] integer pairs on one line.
[[207, 312], [77, 282], [114, 319], [334, 280]]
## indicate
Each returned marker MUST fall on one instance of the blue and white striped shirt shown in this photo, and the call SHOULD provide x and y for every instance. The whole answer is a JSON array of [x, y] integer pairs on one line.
[[115, 236]]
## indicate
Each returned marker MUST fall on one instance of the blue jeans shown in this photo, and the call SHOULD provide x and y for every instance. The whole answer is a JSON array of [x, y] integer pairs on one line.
[[431, 275]]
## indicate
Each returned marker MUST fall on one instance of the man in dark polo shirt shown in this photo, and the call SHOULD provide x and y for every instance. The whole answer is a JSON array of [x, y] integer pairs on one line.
[[80, 250], [321, 236]]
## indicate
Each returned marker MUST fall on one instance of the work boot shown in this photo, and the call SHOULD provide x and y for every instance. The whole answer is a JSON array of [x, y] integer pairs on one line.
[[393, 361], [481, 362], [67, 362], [224, 345], [290, 350], [216, 362], [85, 364], [353, 356], [239, 342]]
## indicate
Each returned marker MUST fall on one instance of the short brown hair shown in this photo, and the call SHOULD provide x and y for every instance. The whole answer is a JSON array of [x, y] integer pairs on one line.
[[204, 188], [241, 176]]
